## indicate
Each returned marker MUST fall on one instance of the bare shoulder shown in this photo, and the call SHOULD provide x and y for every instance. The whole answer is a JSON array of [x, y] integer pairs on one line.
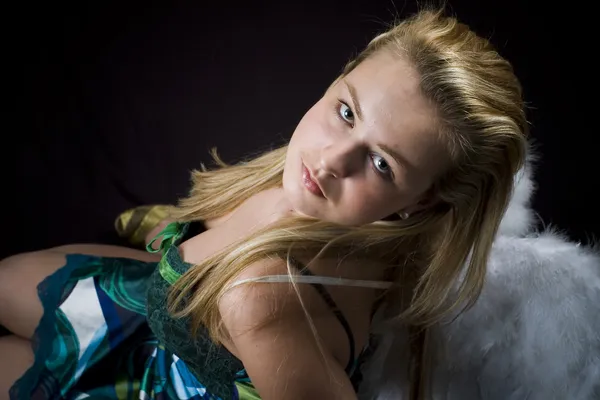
[[274, 300], [268, 326]]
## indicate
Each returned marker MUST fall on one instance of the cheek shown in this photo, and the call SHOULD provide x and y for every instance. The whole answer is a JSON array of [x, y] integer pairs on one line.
[[314, 129], [371, 201], [307, 138]]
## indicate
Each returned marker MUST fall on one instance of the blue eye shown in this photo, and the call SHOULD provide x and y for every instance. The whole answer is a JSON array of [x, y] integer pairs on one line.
[[346, 113], [380, 165]]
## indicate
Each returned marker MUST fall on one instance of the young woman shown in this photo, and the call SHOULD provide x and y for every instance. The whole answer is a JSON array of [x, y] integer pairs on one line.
[[391, 188]]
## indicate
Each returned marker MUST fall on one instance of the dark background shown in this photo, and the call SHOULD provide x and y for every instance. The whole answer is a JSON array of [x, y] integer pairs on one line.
[[109, 105]]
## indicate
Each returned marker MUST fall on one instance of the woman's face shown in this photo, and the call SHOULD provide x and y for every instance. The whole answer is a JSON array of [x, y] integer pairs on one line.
[[368, 148]]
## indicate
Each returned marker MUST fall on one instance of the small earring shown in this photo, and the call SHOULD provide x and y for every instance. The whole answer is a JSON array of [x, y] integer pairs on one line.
[[404, 215]]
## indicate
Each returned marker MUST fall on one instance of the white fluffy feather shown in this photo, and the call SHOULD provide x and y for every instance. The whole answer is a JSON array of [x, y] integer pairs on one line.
[[533, 334]]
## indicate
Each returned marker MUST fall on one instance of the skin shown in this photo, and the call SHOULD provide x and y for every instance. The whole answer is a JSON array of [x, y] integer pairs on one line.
[[360, 181]]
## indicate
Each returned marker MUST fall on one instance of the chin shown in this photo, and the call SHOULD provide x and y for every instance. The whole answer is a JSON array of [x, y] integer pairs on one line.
[[301, 208]]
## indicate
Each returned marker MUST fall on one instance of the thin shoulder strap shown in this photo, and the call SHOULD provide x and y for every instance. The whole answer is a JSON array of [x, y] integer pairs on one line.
[[326, 296], [315, 279], [171, 234], [318, 283]]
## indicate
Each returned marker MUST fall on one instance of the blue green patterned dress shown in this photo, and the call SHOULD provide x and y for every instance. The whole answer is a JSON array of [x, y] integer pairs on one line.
[[106, 334]]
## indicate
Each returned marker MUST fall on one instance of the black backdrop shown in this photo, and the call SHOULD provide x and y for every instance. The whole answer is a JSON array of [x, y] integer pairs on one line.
[[114, 103]]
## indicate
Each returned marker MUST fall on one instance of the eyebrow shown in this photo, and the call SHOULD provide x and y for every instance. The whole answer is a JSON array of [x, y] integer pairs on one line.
[[397, 157], [388, 150], [354, 99]]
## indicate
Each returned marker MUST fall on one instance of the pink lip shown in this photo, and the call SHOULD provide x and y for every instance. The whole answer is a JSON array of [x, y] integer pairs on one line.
[[310, 183]]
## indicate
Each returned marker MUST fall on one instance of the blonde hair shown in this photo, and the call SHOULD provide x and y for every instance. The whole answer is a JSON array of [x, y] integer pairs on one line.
[[446, 247]]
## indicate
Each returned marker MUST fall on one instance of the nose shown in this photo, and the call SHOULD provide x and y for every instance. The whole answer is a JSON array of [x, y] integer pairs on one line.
[[342, 158]]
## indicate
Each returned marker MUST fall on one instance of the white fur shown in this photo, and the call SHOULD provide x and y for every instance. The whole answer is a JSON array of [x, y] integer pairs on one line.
[[533, 334]]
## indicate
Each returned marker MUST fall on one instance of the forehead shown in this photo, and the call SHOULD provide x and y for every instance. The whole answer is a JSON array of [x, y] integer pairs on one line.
[[394, 109]]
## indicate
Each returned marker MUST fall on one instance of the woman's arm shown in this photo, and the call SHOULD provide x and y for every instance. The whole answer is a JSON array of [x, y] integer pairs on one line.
[[273, 339]]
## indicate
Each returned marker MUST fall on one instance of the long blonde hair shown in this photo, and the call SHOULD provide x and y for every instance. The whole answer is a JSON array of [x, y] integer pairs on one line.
[[480, 107]]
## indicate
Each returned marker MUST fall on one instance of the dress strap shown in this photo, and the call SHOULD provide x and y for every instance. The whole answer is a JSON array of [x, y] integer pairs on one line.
[[318, 283], [171, 235], [326, 296], [314, 279]]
